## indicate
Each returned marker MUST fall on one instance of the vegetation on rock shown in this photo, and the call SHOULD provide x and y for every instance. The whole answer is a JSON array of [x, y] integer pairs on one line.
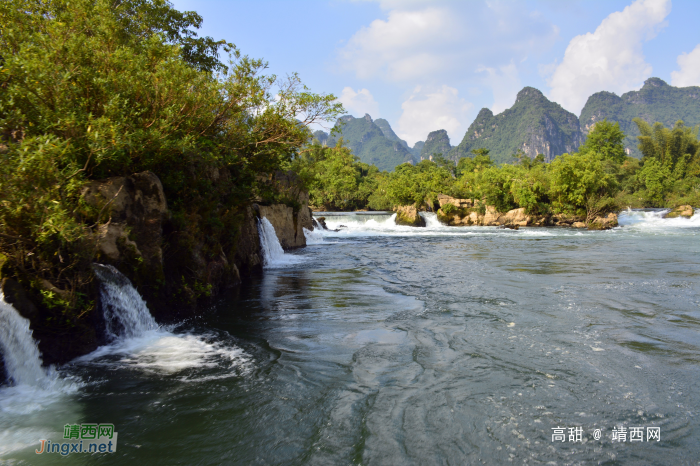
[[91, 89]]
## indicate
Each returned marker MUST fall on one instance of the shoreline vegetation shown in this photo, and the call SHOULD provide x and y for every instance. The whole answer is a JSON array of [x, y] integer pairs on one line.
[[119, 125], [581, 187]]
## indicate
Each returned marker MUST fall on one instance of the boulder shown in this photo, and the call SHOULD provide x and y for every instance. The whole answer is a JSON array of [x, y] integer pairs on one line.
[[578, 225], [685, 211], [515, 217], [491, 216], [409, 216], [288, 224], [603, 223]]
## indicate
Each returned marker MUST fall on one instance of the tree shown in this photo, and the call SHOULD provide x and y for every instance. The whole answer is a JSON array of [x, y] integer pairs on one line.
[[98, 88], [579, 184], [606, 139]]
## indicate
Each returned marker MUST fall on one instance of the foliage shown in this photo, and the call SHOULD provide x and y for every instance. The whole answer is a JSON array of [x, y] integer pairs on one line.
[[97, 88], [656, 101], [504, 134], [579, 184], [605, 139]]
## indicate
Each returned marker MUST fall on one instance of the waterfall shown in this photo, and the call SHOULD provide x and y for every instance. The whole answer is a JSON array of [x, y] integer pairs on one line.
[[19, 350], [273, 254], [126, 314], [271, 249]]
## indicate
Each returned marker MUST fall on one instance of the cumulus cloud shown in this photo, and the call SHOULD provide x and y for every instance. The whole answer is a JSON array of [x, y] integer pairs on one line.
[[611, 58], [427, 40], [504, 83], [429, 110], [689, 73], [400, 46], [359, 102]]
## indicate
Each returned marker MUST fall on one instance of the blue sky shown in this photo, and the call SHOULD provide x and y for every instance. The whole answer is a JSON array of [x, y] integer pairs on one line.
[[433, 64]]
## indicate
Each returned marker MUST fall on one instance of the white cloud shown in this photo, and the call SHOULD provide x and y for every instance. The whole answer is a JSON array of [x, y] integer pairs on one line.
[[611, 58], [359, 103], [426, 41], [505, 84], [689, 73], [427, 111], [399, 47]]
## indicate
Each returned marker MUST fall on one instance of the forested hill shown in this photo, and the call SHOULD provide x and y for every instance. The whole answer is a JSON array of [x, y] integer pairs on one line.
[[533, 125], [437, 143], [368, 142], [391, 135], [655, 101]]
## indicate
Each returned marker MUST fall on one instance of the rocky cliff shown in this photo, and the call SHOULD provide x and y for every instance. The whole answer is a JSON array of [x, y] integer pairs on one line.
[[655, 101], [533, 125], [176, 272], [437, 142]]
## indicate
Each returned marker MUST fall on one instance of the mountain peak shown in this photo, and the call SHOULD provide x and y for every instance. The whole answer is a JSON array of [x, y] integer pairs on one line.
[[368, 118], [528, 93], [655, 82]]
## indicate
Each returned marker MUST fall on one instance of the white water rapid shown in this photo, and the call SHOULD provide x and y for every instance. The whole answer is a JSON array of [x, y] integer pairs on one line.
[[273, 254], [356, 225]]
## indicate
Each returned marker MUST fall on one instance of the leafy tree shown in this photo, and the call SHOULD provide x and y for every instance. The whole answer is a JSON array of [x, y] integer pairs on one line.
[[579, 184], [98, 88], [607, 140]]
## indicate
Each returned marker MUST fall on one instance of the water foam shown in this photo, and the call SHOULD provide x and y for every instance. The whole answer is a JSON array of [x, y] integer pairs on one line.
[[652, 221], [313, 236]]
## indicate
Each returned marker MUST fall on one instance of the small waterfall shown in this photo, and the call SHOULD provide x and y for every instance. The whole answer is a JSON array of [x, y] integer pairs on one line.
[[19, 350], [272, 251], [125, 312]]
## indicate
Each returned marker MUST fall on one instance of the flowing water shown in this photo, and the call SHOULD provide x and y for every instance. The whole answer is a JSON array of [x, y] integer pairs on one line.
[[380, 344]]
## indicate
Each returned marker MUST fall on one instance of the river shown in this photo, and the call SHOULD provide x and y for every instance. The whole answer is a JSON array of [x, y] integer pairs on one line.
[[386, 345]]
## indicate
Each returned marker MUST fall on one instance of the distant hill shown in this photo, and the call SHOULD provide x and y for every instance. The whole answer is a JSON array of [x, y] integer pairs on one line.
[[533, 124], [391, 135], [369, 142], [418, 149], [655, 101], [437, 142]]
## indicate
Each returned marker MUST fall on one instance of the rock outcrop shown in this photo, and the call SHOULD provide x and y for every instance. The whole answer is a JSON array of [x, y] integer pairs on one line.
[[604, 223], [135, 208], [437, 142], [685, 211], [289, 225], [409, 216]]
